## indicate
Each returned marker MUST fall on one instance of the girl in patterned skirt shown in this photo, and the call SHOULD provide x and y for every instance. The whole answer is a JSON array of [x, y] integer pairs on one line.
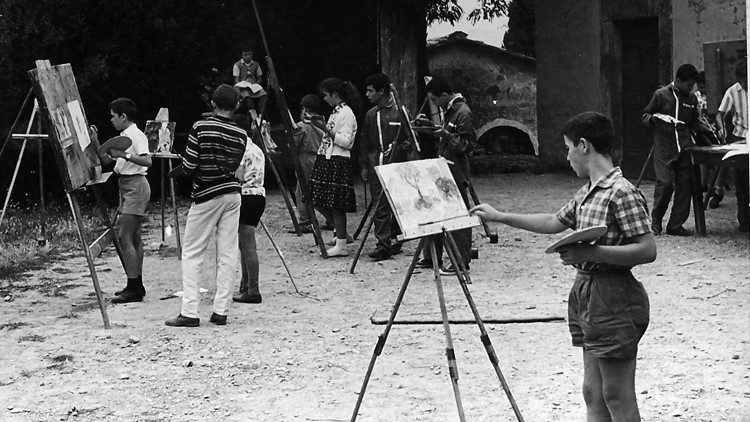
[[331, 181]]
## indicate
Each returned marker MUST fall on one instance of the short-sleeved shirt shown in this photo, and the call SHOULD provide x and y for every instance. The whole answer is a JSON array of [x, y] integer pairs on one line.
[[254, 163], [614, 202], [735, 100], [139, 146], [250, 72]]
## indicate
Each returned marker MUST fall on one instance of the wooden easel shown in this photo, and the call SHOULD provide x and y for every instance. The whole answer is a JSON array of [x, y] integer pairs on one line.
[[286, 118], [428, 242], [76, 157]]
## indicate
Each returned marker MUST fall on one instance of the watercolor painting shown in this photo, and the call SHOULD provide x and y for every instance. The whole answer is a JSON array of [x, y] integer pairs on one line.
[[160, 136], [424, 197]]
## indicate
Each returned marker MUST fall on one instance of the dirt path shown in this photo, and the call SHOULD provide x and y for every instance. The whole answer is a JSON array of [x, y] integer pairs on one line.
[[303, 359]]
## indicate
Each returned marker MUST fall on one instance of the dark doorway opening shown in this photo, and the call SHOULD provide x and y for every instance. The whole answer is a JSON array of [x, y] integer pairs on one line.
[[639, 40]]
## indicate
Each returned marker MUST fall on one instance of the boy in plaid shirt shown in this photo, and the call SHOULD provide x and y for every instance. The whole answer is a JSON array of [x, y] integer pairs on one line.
[[608, 309]]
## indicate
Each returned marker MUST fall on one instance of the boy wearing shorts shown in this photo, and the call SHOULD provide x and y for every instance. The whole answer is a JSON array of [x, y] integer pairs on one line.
[[251, 173], [608, 309], [131, 166]]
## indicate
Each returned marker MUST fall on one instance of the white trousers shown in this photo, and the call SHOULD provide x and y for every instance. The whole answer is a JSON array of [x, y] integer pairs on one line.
[[220, 215]]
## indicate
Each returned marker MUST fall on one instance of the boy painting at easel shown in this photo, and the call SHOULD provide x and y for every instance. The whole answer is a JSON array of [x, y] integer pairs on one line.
[[131, 165]]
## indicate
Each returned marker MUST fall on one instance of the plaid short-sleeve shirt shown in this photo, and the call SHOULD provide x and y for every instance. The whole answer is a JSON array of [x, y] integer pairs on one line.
[[613, 202]]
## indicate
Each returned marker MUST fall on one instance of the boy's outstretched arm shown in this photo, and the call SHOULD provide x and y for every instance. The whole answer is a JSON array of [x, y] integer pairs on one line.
[[640, 250], [539, 223]]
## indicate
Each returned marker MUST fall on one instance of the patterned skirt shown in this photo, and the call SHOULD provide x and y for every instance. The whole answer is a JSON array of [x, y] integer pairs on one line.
[[331, 184]]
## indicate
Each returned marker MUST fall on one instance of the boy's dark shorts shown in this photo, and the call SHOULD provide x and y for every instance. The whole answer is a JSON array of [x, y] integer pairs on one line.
[[608, 312], [135, 192], [252, 209]]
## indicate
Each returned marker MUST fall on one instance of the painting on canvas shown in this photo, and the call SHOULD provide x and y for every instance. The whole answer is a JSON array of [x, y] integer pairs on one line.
[[160, 136], [424, 197]]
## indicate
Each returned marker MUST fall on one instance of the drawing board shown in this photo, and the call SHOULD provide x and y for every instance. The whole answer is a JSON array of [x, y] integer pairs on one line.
[[62, 112], [424, 197], [160, 136]]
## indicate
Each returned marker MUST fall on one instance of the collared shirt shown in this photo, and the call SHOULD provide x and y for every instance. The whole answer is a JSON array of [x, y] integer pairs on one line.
[[250, 72], [343, 123], [254, 163], [213, 152], [139, 146], [735, 100], [458, 121], [669, 140], [613, 202]]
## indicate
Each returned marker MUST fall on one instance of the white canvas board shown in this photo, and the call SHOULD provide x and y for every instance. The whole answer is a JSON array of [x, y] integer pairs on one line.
[[424, 197], [79, 124]]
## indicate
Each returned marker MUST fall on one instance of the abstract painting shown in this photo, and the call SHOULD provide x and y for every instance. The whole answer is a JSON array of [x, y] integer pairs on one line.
[[424, 197]]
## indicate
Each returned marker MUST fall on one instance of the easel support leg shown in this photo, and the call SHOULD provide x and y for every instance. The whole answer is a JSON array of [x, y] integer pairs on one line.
[[109, 222], [89, 259], [382, 337], [368, 227], [452, 248], [278, 252], [13, 181], [176, 212], [162, 201], [449, 350]]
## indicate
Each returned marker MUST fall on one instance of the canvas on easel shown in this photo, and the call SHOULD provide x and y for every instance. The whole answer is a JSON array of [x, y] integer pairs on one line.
[[424, 197], [160, 133]]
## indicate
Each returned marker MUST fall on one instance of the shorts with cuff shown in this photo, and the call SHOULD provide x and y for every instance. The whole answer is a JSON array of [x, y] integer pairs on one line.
[[608, 313], [135, 193], [252, 209]]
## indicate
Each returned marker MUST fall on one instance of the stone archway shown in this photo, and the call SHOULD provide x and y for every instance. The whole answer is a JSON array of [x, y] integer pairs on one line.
[[500, 122]]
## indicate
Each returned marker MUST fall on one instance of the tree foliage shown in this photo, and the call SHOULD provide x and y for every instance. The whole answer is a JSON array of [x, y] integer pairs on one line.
[[520, 35], [450, 11]]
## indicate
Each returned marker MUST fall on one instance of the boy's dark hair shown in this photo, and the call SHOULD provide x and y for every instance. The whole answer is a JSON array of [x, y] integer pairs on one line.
[[594, 127], [379, 82], [686, 72], [125, 106], [701, 77], [311, 102], [225, 97], [247, 48], [438, 86]]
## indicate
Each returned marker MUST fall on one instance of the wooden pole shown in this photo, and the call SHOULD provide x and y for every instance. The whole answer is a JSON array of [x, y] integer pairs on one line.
[[162, 200], [18, 163], [15, 122], [278, 251], [176, 211], [89, 259]]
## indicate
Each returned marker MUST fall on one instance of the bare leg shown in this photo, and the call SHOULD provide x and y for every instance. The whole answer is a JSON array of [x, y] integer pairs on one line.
[[596, 407], [249, 258], [618, 389], [339, 220], [130, 241]]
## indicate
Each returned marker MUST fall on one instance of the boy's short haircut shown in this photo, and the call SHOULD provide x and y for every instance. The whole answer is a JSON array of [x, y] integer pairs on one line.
[[594, 127], [311, 102], [247, 48], [687, 72], [125, 106], [438, 86], [379, 82], [225, 97]]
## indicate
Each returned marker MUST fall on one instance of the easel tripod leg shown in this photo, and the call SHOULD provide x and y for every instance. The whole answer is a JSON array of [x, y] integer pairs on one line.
[[368, 227], [109, 223], [13, 181], [382, 337], [161, 201], [463, 277], [176, 212], [89, 259], [449, 350]]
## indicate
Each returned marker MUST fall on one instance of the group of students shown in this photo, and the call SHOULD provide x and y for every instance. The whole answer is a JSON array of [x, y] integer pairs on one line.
[[687, 121], [608, 309]]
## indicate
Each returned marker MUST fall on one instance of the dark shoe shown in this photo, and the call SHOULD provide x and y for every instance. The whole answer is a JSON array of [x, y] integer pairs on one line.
[[396, 248], [183, 321], [129, 296], [450, 270], [302, 229], [120, 292], [327, 226], [247, 298], [218, 319], [425, 263], [656, 228], [379, 254], [716, 198], [679, 231]]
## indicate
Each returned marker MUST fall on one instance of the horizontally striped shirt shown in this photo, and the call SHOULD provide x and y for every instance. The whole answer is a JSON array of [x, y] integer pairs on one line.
[[214, 149], [613, 202], [735, 100]]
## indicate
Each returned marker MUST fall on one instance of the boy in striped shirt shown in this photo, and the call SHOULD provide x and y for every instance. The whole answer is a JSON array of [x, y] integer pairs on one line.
[[608, 309], [214, 149]]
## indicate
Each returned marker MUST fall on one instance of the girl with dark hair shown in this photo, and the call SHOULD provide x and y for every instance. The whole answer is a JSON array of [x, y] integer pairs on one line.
[[331, 182]]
